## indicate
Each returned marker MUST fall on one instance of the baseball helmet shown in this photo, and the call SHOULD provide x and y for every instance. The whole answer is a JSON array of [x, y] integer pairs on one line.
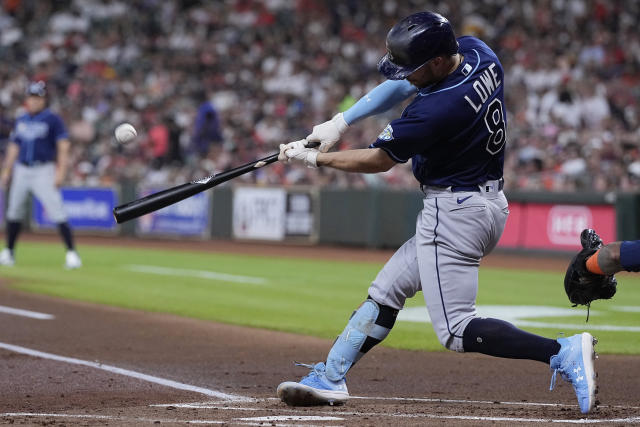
[[415, 40], [38, 88]]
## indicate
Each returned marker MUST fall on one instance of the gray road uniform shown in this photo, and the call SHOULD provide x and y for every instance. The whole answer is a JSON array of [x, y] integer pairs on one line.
[[455, 138], [454, 133], [34, 147], [34, 172]]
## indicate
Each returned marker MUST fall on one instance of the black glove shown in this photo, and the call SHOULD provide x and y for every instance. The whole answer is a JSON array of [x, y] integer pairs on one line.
[[581, 285]]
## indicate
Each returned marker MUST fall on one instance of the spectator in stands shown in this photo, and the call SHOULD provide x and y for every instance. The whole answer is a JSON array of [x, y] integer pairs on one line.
[[275, 68]]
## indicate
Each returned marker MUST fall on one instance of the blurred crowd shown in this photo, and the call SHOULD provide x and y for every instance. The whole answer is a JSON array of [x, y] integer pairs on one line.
[[210, 85]]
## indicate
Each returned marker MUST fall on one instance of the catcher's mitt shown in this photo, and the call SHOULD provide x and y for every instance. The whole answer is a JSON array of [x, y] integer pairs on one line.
[[581, 285]]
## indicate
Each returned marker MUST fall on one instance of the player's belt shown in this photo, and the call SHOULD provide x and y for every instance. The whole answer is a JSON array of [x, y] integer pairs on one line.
[[492, 186], [35, 163]]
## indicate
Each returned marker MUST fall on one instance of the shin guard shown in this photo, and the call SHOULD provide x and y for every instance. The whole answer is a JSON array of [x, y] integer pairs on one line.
[[368, 325]]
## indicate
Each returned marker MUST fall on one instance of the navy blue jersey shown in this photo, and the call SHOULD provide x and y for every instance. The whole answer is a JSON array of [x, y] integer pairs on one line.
[[455, 130], [38, 136]]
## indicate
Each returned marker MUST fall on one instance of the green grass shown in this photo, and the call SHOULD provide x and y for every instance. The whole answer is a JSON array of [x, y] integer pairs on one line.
[[312, 297]]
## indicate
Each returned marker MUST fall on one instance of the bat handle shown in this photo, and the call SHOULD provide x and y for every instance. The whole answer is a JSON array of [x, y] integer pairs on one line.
[[313, 144]]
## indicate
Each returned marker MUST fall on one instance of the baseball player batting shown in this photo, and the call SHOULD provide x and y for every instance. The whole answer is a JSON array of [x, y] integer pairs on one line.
[[39, 148], [454, 132]]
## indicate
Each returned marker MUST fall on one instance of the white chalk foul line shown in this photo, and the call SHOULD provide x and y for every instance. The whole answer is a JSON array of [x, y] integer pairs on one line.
[[215, 405], [380, 415], [202, 274], [25, 313], [483, 402], [126, 372], [270, 418]]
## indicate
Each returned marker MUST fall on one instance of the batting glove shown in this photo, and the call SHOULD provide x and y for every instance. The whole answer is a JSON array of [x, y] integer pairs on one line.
[[328, 133], [296, 151], [290, 145]]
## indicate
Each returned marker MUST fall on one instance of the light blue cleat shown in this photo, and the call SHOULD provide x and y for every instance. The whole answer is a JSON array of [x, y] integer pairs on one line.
[[314, 389], [574, 361]]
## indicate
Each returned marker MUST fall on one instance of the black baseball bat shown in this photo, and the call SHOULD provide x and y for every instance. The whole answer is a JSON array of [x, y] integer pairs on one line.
[[164, 198]]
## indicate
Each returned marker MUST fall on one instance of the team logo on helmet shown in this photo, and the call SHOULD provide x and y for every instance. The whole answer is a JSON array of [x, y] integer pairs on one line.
[[387, 133]]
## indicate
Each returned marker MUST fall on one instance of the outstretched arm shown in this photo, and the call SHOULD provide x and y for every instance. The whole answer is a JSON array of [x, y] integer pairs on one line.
[[364, 160], [381, 98]]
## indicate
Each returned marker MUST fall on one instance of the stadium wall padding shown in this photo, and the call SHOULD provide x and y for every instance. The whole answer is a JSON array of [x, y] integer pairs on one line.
[[385, 218], [221, 211], [373, 218]]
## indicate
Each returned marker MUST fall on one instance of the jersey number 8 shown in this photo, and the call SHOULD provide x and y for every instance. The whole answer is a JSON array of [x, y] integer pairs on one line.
[[494, 119]]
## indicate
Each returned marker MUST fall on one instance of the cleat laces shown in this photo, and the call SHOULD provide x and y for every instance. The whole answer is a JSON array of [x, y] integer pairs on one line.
[[314, 371]]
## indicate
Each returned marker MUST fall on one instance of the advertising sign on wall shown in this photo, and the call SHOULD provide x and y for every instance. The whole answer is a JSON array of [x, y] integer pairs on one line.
[[189, 217], [87, 209], [259, 213], [299, 215], [556, 227]]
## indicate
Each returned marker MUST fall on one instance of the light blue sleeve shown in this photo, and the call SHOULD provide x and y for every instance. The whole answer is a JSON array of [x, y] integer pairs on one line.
[[381, 98]]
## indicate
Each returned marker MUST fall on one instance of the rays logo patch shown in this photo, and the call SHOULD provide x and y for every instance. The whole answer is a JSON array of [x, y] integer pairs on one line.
[[387, 133]]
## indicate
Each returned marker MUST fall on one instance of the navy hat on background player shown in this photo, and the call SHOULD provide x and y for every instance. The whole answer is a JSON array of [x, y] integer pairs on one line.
[[414, 41], [38, 88]]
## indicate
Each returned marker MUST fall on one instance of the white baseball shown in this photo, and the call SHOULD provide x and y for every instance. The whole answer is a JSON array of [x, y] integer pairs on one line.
[[125, 133]]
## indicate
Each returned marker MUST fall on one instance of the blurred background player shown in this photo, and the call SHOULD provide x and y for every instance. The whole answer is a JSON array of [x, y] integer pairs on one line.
[[40, 145], [572, 82], [207, 134], [454, 133]]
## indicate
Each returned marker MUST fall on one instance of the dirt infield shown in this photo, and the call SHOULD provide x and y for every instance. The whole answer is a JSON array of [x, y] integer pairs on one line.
[[109, 366]]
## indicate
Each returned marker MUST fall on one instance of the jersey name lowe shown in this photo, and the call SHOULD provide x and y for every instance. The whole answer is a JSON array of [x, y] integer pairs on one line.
[[484, 86]]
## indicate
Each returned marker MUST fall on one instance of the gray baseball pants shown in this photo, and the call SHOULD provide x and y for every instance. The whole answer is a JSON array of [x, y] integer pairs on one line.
[[453, 232], [38, 180]]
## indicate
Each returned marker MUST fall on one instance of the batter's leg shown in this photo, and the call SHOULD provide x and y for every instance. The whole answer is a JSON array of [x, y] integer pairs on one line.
[[498, 338], [369, 324], [449, 252], [373, 320], [450, 248]]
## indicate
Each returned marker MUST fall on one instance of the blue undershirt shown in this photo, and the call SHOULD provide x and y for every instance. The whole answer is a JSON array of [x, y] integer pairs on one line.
[[380, 99]]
